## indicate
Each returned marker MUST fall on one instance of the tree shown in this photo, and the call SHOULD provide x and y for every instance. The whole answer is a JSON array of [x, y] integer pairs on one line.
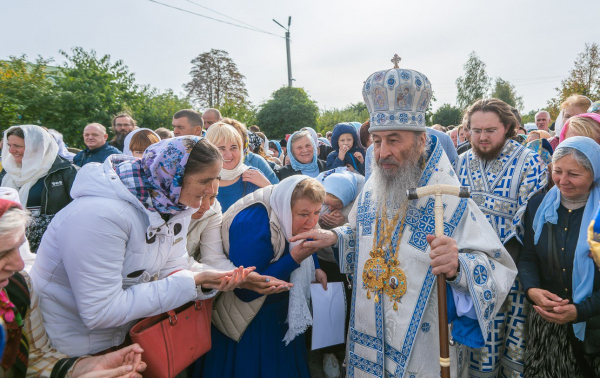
[[26, 91], [92, 89], [447, 115], [244, 112], [584, 79], [505, 91], [156, 108], [475, 84], [86, 88], [215, 79], [288, 110], [352, 113], [529, 117]]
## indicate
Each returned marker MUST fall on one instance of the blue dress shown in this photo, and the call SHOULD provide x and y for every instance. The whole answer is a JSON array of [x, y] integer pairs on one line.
[[260, 353], [228, 195]]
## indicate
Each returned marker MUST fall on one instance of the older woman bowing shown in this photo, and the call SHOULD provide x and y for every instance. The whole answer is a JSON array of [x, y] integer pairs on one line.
[[557, 274], [257, 230], [122, 256]]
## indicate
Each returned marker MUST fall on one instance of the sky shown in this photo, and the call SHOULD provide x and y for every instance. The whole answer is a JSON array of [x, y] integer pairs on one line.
[[335, 45]]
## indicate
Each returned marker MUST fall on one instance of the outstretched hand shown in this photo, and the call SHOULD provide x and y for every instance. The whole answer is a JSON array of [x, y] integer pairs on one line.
[[223, 281], [317, 238], [265, 284]]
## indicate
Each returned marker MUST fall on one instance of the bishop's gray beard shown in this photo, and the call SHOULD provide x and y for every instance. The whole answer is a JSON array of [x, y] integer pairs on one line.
[[390, 188]]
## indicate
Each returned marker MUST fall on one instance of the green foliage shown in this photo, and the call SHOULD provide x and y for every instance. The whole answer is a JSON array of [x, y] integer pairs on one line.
[[584, 79], [26, 91], [505, 91], [447, 115], [529, 117], [156, 108], [244, 112], [87, 88], [288, 110], [353, 113], [92, 89], [474, 85]]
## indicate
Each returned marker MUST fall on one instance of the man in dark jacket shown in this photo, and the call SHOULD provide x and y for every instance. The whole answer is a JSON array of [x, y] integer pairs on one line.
[[97, 150]]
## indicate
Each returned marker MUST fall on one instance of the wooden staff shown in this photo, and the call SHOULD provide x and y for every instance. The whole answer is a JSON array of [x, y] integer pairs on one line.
[[437, 191]]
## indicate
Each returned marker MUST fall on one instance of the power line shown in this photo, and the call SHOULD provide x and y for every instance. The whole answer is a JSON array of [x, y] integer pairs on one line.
[[215, 19], [224, 15]]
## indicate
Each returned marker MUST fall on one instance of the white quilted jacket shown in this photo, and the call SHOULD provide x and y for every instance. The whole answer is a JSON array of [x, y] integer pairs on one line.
[[104, 263]]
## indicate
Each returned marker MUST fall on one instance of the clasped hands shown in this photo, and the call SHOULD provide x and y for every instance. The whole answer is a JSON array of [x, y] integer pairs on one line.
[[551, 307]]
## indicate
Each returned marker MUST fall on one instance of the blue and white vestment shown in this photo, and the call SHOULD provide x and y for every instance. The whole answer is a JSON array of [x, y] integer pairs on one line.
[[405, 343]]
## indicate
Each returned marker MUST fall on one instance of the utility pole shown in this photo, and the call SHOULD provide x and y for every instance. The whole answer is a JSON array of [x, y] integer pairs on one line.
[[287, 45]]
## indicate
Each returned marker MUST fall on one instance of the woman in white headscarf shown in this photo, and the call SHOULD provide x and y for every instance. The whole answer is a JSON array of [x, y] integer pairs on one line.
[[257, 231], [32, 166], [136, 145]]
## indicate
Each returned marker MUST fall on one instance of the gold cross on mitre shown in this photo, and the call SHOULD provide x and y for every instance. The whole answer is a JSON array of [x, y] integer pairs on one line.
[[396, 59]]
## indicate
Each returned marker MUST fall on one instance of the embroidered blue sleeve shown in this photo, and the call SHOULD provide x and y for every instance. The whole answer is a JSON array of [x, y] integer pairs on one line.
[[533, 179], [345, 249]]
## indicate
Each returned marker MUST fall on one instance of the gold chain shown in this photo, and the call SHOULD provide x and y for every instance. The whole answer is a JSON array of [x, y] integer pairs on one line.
[[388, 229]]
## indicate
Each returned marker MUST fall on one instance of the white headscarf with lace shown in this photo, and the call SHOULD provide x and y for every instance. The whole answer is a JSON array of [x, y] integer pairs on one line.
[[299, 317], [40, 152]]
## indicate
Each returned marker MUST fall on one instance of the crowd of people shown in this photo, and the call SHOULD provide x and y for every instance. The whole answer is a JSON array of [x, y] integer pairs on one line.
[[94, 240]]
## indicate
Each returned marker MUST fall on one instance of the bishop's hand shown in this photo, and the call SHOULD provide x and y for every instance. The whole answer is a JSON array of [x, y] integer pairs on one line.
[[444, 255], [320, 238]]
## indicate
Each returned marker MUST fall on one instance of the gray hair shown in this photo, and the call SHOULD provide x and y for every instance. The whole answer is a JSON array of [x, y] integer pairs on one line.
[[299, 135], [101, 127], [541, 112], [579, 157], [12, 221]]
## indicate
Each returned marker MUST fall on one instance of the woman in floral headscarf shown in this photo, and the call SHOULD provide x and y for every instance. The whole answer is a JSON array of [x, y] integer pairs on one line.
[[117, 252]]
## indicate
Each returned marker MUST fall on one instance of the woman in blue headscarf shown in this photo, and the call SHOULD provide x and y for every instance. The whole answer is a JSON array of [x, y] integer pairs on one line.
[[555, 269], [302, 150]]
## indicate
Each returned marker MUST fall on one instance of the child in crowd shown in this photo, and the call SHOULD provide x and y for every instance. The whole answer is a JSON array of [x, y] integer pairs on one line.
[[346, 151]]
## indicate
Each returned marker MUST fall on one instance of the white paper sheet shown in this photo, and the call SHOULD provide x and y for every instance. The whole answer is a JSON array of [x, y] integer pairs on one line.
[[329, 314]]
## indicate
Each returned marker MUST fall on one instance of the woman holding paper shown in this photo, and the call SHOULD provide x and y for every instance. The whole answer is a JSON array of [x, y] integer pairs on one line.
[[257, 231]]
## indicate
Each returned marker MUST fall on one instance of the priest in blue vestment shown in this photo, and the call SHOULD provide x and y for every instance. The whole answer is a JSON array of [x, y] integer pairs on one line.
[[389, 250]]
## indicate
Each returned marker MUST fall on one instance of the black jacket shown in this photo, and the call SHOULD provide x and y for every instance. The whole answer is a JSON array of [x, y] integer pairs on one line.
[[57, 186], [118, 145], [540, 268], [287, 171], [97, 155]]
